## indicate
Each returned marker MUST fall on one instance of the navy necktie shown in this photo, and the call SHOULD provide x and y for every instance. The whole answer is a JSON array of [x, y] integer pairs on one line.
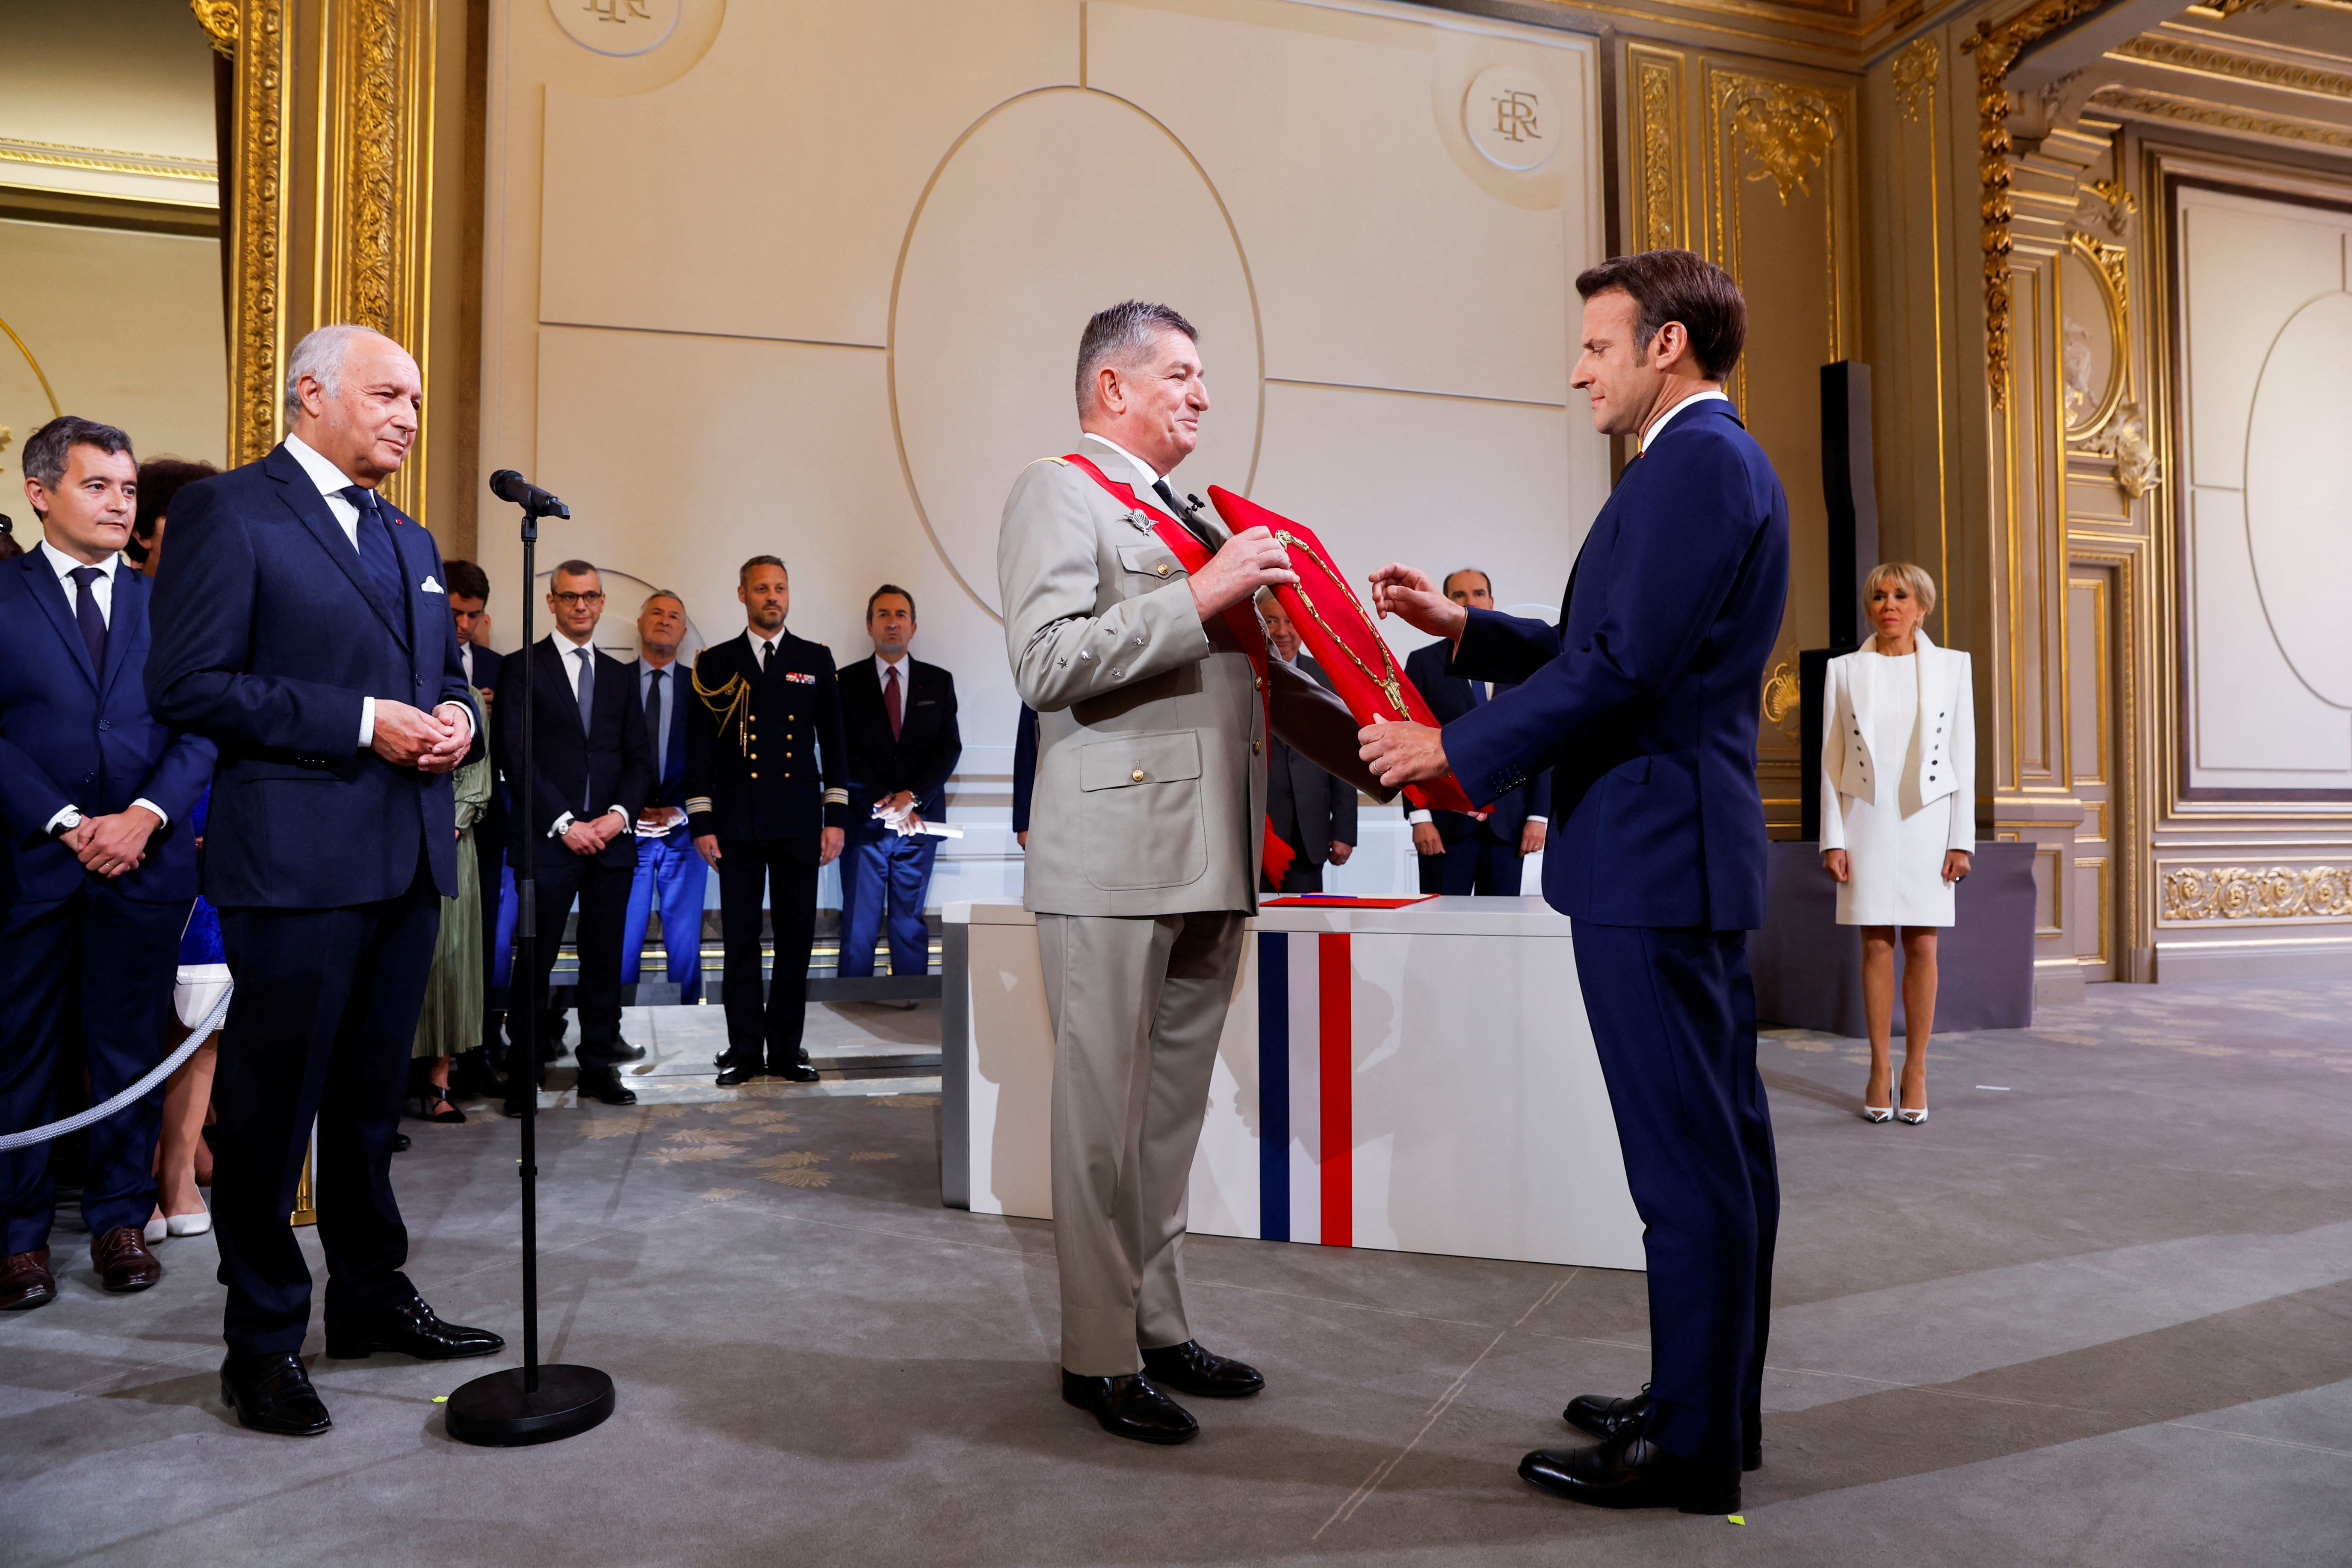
[[86, 612], [376, 555], [654, 724]]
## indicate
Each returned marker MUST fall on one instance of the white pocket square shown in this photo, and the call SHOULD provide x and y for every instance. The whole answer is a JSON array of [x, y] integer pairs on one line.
[[431, 586]]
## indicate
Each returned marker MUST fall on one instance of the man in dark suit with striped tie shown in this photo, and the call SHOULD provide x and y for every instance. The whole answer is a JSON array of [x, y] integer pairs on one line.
[[302, 625]]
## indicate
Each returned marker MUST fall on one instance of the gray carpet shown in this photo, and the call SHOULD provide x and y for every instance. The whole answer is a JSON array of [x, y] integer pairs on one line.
[[2094, 1312]]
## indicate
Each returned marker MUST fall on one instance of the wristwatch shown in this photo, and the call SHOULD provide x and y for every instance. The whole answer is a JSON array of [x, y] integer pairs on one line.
[[65, 822]]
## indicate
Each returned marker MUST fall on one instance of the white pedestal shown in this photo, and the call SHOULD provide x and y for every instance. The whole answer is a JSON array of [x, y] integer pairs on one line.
[[1426, 1073]]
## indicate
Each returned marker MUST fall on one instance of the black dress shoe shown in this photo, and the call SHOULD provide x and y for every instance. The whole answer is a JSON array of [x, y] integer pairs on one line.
[[1130, 1408], [1630, 1471], [732, 1072], [273, 1394], [1605, 1417], [400, 1142], [1188, 1369], [603, 1086], [626, 1052], [797, 1071], [409, 1328]]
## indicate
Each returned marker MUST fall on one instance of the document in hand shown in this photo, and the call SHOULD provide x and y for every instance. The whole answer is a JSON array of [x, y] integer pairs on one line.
[[1339, 632]]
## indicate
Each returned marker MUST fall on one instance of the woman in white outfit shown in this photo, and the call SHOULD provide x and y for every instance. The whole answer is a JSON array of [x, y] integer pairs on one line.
[[1898, 815]]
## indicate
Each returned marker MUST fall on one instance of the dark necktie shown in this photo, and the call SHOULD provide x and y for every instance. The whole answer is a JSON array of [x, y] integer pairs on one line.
[[376, 555], [86, 612], [890, 700], [654, 722], [1184, 514], [587, 712], [765, 650]]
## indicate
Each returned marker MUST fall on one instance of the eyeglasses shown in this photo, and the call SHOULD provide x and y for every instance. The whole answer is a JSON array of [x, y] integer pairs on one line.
[[578, 601]]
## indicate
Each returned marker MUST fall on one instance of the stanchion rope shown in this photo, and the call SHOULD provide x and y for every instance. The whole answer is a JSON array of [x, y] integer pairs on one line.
[[164, 1070]]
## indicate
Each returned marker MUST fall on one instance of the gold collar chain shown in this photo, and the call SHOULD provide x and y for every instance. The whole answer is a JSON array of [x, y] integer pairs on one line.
[[1386, 677]]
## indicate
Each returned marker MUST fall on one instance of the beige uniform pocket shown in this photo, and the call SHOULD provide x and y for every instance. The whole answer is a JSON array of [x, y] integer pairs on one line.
[[1142, 797]]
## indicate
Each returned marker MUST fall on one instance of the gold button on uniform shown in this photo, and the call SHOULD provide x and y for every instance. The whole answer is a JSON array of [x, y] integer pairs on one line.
[[1136, 775], [1261, 683], [1163, 569], [755, 774], [1255, 747]]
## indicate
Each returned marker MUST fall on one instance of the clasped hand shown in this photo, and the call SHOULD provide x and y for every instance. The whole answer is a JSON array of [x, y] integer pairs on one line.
[[431, 743], [109, 845], [589, 837]]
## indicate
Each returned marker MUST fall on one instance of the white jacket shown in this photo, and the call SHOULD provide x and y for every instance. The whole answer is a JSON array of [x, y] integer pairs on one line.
[[1943, 763]]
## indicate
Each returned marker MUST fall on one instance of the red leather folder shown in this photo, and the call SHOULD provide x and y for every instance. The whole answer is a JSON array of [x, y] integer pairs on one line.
[[1339, 631]]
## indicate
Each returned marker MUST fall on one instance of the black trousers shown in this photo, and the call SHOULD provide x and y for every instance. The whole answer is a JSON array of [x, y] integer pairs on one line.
[[97, 965], [603, 894], [1475, 863], [764, 1023], [319, 1027], [1674, 1016]]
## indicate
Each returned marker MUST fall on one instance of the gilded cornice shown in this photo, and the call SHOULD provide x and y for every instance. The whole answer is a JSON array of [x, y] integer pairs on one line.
[[218, 19], [2212, 62], [2219, 117], [1996, 46], [107, 160]]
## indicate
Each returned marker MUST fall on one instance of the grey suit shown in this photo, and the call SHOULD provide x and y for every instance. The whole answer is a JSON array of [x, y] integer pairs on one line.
[[1142, 869]]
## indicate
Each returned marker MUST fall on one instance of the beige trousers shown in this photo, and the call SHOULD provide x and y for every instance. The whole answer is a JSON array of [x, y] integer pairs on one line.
[[1138, 1003]]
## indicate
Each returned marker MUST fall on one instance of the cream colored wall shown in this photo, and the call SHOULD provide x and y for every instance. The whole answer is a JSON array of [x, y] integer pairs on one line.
[[108, 98], [127, 327], [808, 278]]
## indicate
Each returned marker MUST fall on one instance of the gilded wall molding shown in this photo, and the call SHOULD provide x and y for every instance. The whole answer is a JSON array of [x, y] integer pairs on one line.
[[2219, 117], [375, 201], [1662, 179], [1996, 46], [107, 160], [1915, 71], [256, 229], [1784, 128], [2236, 66], [2195, 894], [218, 19]]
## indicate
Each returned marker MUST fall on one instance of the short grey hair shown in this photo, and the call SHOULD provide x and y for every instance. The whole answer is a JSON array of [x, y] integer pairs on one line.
[[46, 448], [1119, 335], [319, 355], [660, 594]]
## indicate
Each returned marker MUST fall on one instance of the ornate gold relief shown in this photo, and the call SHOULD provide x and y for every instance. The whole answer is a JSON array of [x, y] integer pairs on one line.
[[218, 19], [2219, 117], [2088, 408], [1785, 129], [1782, 697], [1915, 71], [2240, 68], [1661, 175], [375, 215], [1996, 46], [255, 186], [2195, 893]]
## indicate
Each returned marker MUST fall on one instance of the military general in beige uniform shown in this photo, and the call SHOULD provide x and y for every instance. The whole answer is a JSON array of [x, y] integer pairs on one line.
[[1142, 860]]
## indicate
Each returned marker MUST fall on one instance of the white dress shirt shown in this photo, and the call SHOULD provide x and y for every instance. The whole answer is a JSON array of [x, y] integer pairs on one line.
[[332, 481], [1693, 401], [465, 658], [882, 669], [570, 661], [763, 648], [101, 590], [1151, 475]]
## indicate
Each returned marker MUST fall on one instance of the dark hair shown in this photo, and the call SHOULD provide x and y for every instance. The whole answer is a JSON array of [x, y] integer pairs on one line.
[[574, 568], [1120, 333], [465, 577], [890, 588], [743, 572], [1679, 286], [45, 448], [159, 479], [1446, 587], [9, 548]]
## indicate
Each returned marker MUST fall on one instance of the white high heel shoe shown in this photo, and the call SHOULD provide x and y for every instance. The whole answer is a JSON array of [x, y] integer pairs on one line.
[[195, 1224], [1878, 1113], [156, 1228], [1913, 1118]]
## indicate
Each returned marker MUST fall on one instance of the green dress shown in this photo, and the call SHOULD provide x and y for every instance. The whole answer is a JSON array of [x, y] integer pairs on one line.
[[452, 1020]]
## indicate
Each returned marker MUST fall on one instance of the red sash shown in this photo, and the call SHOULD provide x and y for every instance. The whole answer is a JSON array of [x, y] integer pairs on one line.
[[1239, 619]]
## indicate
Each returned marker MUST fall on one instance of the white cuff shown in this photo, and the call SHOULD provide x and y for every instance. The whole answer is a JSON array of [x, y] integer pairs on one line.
[[163, 817], [464, 707], [367, 722], [628, 823], [1532, 818], [68, 818], [1417, 817]]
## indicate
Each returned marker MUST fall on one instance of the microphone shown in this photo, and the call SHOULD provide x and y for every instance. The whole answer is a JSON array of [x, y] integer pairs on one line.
[[509, 486]]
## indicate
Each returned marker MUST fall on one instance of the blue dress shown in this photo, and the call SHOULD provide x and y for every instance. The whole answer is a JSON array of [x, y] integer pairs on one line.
[[202, 941]]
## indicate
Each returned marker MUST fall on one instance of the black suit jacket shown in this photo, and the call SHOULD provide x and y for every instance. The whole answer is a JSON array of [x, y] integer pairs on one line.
[[584, 772], [267, 642], [1450, 697], [920, 759], [1326, 806]]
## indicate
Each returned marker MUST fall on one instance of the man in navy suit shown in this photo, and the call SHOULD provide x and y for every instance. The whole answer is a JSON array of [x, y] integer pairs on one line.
[[94, 792], [1643, 701], [1306, 807], [575, 834], [669, 873], [1458, 853], [302, 627], [899, 729], [469, 599]]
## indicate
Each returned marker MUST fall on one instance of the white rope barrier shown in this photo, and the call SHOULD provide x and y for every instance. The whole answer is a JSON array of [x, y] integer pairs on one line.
[[164, 1069]]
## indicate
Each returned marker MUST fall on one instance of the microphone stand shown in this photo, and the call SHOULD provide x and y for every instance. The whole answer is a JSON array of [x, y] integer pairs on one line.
[[529, 1404]]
